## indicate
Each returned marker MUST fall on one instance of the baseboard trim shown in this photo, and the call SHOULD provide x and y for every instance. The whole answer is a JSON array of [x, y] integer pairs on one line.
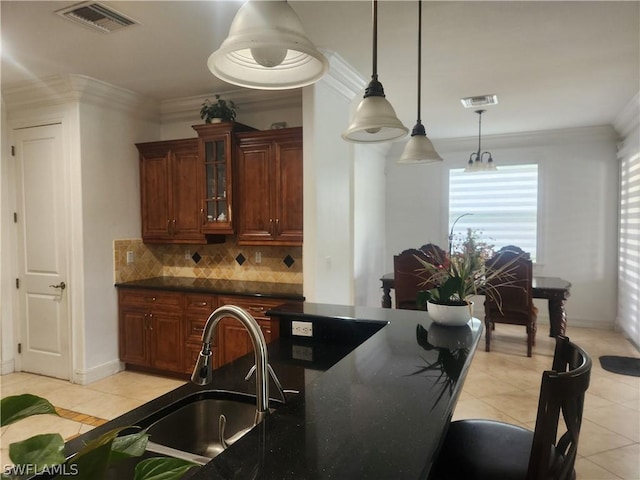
[[85, 377], [8, 366]]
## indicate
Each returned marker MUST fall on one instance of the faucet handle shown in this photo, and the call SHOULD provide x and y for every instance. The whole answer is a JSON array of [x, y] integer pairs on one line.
[[274, 377]]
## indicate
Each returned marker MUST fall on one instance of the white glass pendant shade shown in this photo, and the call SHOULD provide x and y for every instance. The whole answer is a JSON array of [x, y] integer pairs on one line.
[[374, 121], [419, 148], [267, 49]]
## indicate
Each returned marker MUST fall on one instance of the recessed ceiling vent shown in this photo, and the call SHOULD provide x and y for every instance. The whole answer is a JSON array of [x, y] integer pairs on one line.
[[96, 16], [479, 101]]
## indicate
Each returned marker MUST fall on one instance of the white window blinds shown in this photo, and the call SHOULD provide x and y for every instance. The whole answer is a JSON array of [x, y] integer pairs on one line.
[[629, 258], [503, 205]]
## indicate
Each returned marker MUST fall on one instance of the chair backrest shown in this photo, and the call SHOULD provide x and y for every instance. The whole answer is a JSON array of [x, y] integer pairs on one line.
[[406, 280], [562, 391], [435, 255], [515, 249], [514, 292]]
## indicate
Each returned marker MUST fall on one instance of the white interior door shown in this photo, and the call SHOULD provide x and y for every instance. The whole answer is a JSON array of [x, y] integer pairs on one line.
[[42, 256]]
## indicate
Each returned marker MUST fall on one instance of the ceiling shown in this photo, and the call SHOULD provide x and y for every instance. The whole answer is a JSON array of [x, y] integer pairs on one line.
[[552, 64]]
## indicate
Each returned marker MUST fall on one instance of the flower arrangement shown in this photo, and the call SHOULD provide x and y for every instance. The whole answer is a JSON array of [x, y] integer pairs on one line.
[[462, 273], [222, 109]]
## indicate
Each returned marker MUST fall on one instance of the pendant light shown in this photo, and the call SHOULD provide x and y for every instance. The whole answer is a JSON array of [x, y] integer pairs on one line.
[[267, 49], [419, 148], [375, 119], [476, 163]]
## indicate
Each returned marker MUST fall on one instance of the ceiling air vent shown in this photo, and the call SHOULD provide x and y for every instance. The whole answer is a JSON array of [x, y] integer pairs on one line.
[[96, 16], [479, 101]]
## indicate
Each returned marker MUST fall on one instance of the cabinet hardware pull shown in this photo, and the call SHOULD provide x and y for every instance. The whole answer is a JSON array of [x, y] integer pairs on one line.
[[198, 329], [277, 226], [256, 309], [199, 304], [150, 299], [202, 216], [151, 321]]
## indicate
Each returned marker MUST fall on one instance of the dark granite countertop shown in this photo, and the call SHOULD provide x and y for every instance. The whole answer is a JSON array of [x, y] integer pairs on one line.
[[290, 291], [376, 410]]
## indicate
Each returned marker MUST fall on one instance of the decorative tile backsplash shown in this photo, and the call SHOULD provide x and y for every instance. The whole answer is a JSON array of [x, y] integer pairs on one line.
[[226, 261]]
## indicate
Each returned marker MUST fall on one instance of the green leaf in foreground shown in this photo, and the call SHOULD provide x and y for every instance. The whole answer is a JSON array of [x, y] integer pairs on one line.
[[40, 450], [132, 445], [17, 407], [162, 468]]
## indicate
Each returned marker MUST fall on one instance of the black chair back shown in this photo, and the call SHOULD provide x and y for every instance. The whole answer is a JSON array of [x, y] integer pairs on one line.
[[562, 391]]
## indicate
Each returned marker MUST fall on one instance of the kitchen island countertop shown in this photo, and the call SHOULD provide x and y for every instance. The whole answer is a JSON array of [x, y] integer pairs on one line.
[[374, 410]]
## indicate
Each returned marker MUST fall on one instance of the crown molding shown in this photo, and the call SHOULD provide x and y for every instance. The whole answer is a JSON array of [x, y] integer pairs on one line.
[[62, 89], [250, 100], [628, 120], [342, 77], [539, 138]]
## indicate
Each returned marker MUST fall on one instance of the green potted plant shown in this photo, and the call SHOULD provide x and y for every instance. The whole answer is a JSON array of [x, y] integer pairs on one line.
[[219, 111], [459, 276]]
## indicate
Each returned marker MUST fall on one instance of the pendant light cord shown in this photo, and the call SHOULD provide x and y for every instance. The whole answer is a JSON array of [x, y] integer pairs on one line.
[[419, 55], [374, 89], [479, 112], [374, 75]]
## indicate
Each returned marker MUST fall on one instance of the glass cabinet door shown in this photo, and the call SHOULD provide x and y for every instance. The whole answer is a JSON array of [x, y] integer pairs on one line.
[[217, 201]]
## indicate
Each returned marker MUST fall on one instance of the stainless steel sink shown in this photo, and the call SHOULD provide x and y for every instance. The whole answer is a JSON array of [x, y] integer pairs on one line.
[[201, 426]]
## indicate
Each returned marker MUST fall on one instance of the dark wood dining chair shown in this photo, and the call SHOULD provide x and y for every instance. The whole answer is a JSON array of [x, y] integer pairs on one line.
[[515, 249], [406, 279], [512, 299], [492, 450], [435, 254]]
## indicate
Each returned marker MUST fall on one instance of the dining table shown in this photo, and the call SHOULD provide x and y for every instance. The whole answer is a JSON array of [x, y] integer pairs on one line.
[[555, 290]]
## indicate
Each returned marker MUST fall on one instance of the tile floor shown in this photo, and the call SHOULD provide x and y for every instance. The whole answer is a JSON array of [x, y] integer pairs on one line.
[[503, 385]]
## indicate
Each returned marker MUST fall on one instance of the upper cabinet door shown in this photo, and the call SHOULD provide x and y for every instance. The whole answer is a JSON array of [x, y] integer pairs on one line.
[[216, 146], [170, 179], [269, 184]]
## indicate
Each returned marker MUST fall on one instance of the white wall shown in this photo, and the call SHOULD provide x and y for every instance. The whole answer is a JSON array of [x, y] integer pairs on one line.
[[369, 220], [110, 210], [6, 256], [578, 184]]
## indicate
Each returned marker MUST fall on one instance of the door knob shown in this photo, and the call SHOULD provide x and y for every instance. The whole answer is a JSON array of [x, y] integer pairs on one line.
[[61, 286]]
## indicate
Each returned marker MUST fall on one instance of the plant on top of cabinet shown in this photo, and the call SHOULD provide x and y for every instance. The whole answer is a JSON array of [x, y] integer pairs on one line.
[[219, 111]]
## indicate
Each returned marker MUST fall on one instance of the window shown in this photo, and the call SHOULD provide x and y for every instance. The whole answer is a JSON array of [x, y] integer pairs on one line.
[[629, 260], [503, 205]]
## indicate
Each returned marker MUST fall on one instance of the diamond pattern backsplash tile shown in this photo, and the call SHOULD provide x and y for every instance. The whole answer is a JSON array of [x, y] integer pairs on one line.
[[278, 264]]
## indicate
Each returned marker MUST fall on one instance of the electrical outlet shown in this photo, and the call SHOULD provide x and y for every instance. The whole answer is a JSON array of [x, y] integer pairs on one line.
[[131, 257], [187, 255], [258, 257], [302, 329], [302, 352]]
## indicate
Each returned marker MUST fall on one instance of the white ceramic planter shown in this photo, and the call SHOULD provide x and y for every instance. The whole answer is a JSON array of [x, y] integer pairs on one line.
[[454, 315]]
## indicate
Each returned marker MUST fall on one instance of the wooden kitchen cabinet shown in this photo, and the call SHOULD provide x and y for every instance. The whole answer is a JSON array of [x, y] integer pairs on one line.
[[198, 307], [216, 145], [233, 339], [150, 325], [269, 184], [170, 179]]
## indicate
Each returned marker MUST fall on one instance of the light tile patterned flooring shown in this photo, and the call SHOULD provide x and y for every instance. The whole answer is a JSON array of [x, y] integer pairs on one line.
[[503, 385]]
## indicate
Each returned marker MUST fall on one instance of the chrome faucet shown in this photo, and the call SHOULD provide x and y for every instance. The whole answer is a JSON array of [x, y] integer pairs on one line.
[[203, 370]]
